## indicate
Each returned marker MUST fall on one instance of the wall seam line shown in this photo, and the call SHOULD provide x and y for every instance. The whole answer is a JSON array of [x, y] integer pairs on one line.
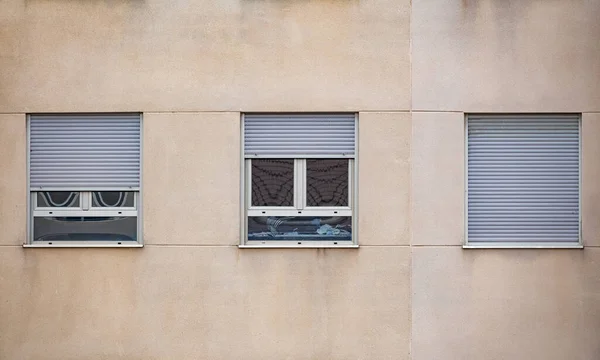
[[410, 186]]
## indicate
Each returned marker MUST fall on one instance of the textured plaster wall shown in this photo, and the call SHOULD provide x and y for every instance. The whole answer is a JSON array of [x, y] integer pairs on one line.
[[217, 302], [191, 180], [13, 176], [155, 55], [411, 69], [505, 55], [505, 304]]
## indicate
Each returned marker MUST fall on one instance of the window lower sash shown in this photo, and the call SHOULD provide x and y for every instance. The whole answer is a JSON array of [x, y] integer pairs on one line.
[[75, 229]]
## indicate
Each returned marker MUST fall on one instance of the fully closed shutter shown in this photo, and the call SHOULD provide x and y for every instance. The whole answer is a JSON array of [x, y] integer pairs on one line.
[[84, 151], [299, 135], [523, 178]]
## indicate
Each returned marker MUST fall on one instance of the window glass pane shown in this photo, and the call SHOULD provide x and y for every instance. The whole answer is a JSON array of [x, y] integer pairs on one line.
[[272, 182], [300, 228], [113, 199], [327, 182], [85, 228], [58, 199]]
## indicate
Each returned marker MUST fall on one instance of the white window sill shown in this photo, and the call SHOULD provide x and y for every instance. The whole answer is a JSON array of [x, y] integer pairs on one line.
[[524, 246], [71, 244], [295, 245]]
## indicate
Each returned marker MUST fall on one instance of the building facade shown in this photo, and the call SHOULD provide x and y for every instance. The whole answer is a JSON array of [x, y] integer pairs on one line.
[[411, 72]]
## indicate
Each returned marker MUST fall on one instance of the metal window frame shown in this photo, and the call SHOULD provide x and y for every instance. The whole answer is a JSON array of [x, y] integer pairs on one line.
[[36, 207], [84, 209], [135, 202], [516, 245], [85, 203], [248, 197], [299, 208], [33, 211]]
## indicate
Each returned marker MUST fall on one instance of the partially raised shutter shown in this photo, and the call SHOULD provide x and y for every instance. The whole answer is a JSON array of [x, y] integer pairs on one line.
[[84, 151], [299, 135], [523, 178]]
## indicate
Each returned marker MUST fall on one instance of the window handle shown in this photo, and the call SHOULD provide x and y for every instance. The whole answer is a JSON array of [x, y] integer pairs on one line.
[[86, 197]]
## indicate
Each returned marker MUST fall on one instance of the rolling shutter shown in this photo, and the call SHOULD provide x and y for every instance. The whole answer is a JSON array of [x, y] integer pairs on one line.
[[299, 135], [84, 151], [523, 178]]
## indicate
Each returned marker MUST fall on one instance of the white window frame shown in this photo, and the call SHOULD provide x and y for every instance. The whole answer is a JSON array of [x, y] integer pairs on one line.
[[516, 245], [299, 208], [84, 210]]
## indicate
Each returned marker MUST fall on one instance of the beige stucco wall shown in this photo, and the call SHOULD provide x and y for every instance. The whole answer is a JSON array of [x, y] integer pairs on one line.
[[411, 70], [384, 201], [13, 184], [191, 178], [497, 55], [505, 304], [204, 302], [155, 55]]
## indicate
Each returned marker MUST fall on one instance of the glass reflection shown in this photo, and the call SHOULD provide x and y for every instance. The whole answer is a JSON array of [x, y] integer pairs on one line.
[[85, 228], [58, 199], [327, 182], [112, 199], [272, 182], [303, 228]]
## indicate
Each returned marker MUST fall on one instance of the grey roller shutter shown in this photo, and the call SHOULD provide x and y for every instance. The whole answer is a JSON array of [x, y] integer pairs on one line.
[[299, 135], [84, 151], [523, 178]]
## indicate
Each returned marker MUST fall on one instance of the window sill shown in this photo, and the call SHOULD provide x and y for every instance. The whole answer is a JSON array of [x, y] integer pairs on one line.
[[576, 246], [69, 244], [295, 245]]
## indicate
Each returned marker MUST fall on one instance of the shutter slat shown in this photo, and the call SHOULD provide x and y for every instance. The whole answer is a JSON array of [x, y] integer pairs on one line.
[[299, 135], [523, 178], [85, 151]]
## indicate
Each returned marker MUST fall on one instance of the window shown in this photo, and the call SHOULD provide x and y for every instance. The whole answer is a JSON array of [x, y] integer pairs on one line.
[[299, 180], [523, 180], [84, 180]]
